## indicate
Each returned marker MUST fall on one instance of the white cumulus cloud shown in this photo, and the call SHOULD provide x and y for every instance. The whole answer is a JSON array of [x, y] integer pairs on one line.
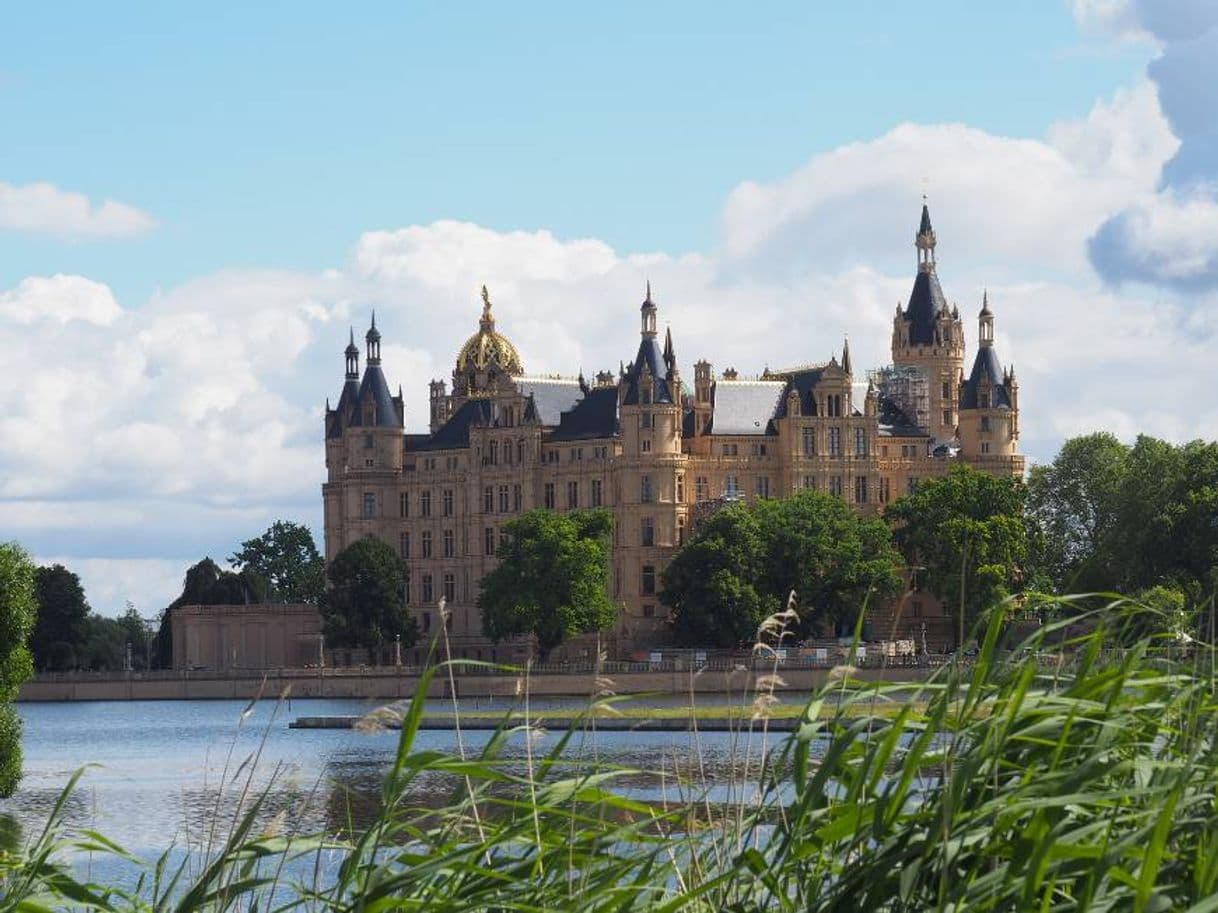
[[43, 208]]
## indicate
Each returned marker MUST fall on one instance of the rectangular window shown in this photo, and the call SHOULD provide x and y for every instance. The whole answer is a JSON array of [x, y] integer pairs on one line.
[[449, 548], [425, 504], [985, 423], [860, 442], [520, 451], [503, 499], [649, 611], [648, 581], [596, 493], [369, 443], [985, 446], [488, 499], [403, 505], [731, 486], [517, 498], [404, 545], [572, 495], [680, 489], [426, 543], [835, 486], [647, 531], [426, 622], [763, 486], [450, 588], [507, 453], [646, 445], [680, 531], [369, 504], [447, 501], [983, 399], [810, 483], [835, 442], [494, 452], [549, 495], [809, 441], [911, 485], [428, 595], [488, 541], [730, 449], [503, 539], [646, 495], [860, 489], [885, 492], [947, 390], [758, 449], [701, 489], [646, 422]]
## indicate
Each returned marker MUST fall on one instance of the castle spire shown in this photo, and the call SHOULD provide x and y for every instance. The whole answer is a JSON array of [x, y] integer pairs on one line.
[[352, 354], [648, 311], [985, 322], [846, 356], [373, 339], [924, 241]]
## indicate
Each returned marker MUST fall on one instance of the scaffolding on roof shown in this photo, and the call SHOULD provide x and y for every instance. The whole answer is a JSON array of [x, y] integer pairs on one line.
[[908, 387]]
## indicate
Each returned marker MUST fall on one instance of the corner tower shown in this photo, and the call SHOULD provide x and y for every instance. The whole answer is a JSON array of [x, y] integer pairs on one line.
[[989, 406], [928, 335]]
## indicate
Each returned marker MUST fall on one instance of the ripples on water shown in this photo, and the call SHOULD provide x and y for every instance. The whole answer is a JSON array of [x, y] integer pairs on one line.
[[167, 772]]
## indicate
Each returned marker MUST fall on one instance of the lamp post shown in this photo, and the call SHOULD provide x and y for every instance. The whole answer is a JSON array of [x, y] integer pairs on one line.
[[397, 649]]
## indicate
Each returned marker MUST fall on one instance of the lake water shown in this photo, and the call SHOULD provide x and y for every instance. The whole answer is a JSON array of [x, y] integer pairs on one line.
[[165, 768]]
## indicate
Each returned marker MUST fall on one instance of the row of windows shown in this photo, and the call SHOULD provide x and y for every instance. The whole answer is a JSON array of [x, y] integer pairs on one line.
[[450, 463], [506, 504], [596, 494]]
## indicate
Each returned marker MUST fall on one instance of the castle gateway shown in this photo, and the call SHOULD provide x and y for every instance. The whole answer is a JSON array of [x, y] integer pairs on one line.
[[651, 449]]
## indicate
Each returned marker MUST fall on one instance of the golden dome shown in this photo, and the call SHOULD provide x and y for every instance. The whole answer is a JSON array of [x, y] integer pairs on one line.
[[486, 346]]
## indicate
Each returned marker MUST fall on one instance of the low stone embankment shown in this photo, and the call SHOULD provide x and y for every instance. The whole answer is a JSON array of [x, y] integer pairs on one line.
[[390, 683]]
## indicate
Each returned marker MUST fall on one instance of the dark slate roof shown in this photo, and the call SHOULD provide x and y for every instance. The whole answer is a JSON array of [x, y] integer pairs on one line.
[[454, 434], [803, 382], [925, 301], [594, 416], [894, 422], [986, 364], [374, 389], [651, 355], [745, 406], [346, 402], [553, 396]]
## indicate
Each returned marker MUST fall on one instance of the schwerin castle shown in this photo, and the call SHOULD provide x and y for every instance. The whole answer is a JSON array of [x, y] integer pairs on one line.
[[651, 449]]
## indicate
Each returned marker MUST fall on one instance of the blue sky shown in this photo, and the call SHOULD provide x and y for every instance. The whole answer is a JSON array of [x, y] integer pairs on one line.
[[274, 134], [195, 204]]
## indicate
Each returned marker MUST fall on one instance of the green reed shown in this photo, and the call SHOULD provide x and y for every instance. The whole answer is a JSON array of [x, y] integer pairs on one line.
[[1056, 772]]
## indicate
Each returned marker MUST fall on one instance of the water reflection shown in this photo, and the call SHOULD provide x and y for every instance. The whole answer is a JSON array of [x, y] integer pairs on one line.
[[180, 773]]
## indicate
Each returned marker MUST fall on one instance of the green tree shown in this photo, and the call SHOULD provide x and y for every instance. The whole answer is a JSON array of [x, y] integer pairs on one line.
[[286, 557], [105, 646], [18, 609], [968, 532], [743, 562], [139, 634], [59, 633], [1077, 501], [551, 580], [714, 585], [364, 606]]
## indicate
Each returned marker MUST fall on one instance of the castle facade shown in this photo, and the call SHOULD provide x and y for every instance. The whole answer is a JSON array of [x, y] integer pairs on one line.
[[651, 448]]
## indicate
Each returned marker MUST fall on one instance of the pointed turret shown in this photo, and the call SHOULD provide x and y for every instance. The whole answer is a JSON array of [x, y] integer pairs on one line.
[[352, 354], [846, 356], [648, 313], [924, 241], [985, 322], [670, 356], [373, 339]]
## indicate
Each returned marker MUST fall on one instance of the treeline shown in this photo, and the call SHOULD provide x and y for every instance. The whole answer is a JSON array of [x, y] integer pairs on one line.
[[281, 565], [1103, 517]]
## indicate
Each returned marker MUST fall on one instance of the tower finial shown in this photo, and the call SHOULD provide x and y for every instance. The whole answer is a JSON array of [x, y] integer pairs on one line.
[[648, 313], [846, 356], [924, 241], [487, 322]]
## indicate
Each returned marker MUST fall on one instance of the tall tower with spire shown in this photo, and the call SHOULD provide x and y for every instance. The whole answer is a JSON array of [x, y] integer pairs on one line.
[[928, 336]]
